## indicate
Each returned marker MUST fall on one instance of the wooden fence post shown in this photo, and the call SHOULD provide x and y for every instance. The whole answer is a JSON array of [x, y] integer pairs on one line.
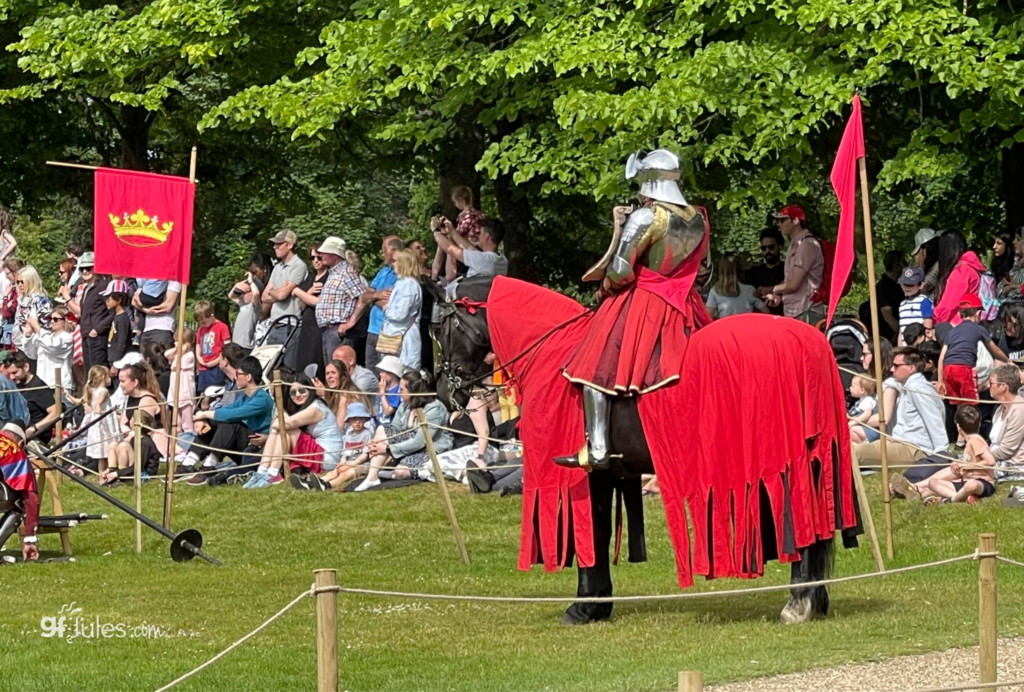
[[691, 681], [137, 426], [286, 447], [326, 631], [987, 611]]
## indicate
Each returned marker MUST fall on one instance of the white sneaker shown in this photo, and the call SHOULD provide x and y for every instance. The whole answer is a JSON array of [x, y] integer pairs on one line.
[[366, 485]]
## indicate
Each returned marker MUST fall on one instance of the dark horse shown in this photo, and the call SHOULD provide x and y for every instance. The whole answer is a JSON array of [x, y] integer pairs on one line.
[[465, 342]]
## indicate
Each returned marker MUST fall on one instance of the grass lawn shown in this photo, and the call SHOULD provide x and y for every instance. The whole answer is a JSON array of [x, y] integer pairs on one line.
[[270, 541]]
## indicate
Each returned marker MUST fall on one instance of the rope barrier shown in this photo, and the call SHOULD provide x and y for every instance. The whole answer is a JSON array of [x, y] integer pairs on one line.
[[662, 597], [235, 645], [313, 590], [1009, 561]]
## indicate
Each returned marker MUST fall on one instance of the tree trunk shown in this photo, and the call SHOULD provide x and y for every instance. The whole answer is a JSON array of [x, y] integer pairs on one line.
[[517, 217], [459, 157], [134, 130], [1013, 185]]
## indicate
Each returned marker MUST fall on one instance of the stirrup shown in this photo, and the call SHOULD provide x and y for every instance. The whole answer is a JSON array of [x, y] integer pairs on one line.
[[583, 460]]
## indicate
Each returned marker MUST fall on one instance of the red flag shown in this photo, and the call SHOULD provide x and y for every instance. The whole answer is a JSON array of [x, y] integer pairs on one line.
[[844, 181], [143, 226]]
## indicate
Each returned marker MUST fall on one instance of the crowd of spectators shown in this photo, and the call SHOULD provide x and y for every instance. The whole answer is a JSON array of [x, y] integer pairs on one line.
[[354, 357], [356, 360]]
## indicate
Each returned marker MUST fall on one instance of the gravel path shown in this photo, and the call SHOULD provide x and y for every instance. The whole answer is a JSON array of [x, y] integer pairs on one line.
[[901, 674]]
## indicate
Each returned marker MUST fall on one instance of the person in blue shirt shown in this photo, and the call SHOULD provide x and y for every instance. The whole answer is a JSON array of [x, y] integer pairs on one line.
[[233, 426], [382, 284]]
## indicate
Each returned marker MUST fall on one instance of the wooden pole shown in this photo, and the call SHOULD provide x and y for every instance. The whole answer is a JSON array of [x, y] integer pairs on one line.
[[326, 631], [879, 375], [987, 611], [286, 443], [691, 681], [176, 398], [63, 164], [58, 429], [865, 512], [137, 426], [448, 507], [172, 441]]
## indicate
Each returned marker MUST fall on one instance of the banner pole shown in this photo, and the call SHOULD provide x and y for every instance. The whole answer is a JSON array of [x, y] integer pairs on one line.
[[172, 441], [879, 375]]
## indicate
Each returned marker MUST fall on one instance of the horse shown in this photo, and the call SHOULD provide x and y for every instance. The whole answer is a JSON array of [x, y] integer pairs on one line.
[[464, 333]]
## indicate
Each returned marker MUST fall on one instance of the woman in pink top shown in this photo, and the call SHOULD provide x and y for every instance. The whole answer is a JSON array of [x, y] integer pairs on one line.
[[960, 273]]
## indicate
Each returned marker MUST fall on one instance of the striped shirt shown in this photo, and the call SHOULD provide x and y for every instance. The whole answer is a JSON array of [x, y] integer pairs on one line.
[[339, 295], [915, 310]]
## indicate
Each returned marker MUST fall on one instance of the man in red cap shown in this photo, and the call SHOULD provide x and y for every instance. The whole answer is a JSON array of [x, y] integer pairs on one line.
[[959, 355], [805, 267]]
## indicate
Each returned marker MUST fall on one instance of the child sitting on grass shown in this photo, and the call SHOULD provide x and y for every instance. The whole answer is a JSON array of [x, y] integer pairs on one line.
[[974, 477], [862, 388], [358, 435]]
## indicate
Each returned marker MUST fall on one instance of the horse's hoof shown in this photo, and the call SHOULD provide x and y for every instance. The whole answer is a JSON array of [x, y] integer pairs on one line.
[[796, 612], [576, 615]]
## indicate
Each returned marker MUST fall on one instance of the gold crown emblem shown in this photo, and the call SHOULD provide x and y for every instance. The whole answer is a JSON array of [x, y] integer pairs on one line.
[[140, 230]]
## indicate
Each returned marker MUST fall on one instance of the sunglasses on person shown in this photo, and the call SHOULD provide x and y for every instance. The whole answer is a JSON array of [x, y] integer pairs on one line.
[[770, 247], [57, 319], [298, 393], [20, 282], [314, 257]]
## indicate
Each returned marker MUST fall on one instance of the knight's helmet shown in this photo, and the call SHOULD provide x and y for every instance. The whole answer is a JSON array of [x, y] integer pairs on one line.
[[657, 173]]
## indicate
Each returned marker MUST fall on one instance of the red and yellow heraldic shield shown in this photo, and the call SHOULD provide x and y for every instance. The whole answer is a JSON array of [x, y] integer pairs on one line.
[[143, 226]]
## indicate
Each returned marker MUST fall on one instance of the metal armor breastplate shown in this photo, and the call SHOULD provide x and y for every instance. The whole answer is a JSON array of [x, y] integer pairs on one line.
[[672, 237]]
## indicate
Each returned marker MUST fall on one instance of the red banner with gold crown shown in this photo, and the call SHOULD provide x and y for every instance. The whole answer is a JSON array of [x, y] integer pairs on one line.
[[143, 225]]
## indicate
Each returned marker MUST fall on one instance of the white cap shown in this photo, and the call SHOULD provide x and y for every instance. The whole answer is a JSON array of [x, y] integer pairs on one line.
[[132, 358], [922, 237], [391, 364], [16, 429], [333, 245]]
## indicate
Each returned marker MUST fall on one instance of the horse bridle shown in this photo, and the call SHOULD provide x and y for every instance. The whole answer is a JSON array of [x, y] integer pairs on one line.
[[454, 373], [449, 320]]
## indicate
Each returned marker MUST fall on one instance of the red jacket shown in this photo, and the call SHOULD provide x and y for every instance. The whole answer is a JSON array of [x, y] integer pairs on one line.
[[964, 279]]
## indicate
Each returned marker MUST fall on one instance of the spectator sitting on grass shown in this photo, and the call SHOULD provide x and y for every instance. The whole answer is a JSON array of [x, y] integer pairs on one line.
[[402, 442], [363, 378], [306, 411], [356, 452], [230, 427], [974, 477], [1007, 432], [340, 391], [863, 389], [920, 417]]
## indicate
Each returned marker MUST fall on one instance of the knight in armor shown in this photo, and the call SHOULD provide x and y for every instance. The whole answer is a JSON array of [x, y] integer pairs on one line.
[[648, 306], [19, 501]]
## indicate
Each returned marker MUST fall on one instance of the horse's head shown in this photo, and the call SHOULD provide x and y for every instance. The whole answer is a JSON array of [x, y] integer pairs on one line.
[[465, 341]]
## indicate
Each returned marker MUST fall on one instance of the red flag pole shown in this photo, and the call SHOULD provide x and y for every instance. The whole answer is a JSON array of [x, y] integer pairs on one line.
[[869, 251], [171, 445]]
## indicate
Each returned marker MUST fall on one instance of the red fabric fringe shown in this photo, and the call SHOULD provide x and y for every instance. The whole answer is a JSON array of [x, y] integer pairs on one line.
[[759, 400]]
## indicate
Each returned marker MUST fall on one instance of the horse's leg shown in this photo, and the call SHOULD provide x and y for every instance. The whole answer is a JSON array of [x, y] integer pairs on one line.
[[596, 581], [809, 603]]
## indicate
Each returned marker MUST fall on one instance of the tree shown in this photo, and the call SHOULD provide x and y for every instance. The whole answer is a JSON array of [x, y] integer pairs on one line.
[[751, 94]]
